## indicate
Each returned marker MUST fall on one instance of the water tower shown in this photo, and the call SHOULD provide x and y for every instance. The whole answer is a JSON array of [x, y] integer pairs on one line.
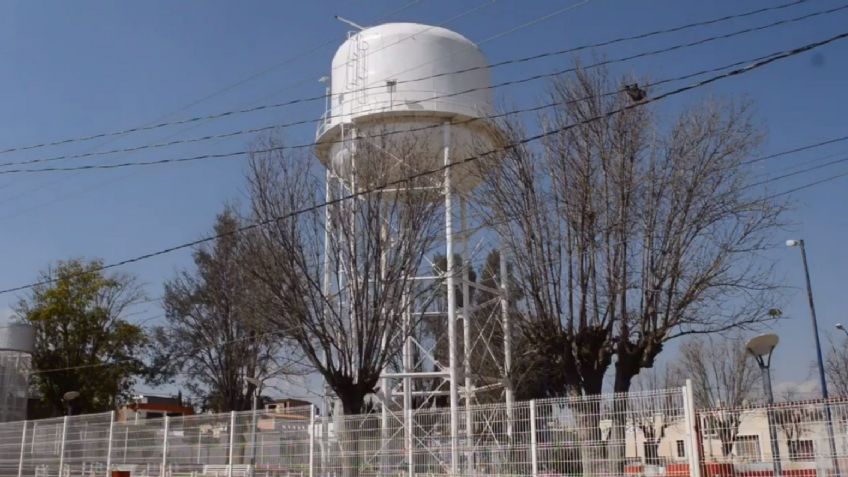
[[17, 344], [430, 86]]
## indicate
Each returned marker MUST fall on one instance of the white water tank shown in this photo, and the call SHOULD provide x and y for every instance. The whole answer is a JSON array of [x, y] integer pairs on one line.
[[17, 344], [399, 78]]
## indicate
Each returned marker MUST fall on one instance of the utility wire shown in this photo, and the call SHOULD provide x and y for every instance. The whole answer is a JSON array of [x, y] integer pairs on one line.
[[798, 172], [260, 336], [736, 72], [198, 124], [807, 186], [130, 360], [225, 155], [421, 128], [799, 149], [465, 70], [190, 127], [290, 60], [447, 95]]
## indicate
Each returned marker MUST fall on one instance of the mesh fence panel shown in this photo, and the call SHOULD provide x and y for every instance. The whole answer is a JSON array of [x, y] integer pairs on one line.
[[636, 434], [797, 439]]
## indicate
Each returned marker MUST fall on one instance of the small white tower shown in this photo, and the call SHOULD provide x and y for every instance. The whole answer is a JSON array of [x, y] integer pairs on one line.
[[17, 344]]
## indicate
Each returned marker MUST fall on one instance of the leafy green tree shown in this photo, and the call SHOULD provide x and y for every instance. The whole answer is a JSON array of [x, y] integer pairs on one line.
[[82, 342]]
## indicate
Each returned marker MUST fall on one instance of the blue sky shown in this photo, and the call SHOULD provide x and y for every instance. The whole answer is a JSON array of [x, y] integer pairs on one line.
[[77, 68]]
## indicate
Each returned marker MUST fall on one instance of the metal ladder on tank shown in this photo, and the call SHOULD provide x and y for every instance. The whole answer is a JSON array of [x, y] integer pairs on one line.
[[357, 70]]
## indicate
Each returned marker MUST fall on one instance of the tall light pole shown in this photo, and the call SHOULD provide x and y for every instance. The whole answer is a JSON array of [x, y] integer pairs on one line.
[[760, 348], [255, 382], [819, 360], [841, 328]]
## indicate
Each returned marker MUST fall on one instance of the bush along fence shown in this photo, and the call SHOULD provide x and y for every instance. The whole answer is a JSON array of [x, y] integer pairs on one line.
[[650, 433]]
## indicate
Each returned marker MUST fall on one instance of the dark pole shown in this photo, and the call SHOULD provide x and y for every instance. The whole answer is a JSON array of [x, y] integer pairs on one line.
[[820, 360], [822, 380], [765, 364]]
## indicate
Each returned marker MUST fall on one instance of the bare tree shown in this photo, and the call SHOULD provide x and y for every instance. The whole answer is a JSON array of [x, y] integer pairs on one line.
[[349, 324], [214, 337], [796, 420], [724, 378], [655, 410], [631, 233], [836, 366]]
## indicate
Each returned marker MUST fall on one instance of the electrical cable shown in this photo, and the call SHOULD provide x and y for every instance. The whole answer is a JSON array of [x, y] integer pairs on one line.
[[192, 126], [465, 70], [799, 149], [130, 360], [198, 101], [405, 131], [288, 61], [807, 186], [405, 180], [257, 337]]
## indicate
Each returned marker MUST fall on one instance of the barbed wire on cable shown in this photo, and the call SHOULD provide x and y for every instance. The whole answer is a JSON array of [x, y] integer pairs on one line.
[[470, 159], [460, 71]]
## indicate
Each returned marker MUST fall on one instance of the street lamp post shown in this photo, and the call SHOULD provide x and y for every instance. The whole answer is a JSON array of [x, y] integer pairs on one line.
[[761, 348], [819, 360], [841, 328], [68, 397], [255, 382]]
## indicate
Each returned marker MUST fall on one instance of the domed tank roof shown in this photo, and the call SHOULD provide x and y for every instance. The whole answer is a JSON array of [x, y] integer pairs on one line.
[[17, 337], [390, 68], [397, 85]]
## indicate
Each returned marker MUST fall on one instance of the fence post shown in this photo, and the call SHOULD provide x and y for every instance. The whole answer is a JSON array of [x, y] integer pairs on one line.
[[691, 419], [165, 446], [62, 446], [232, 443], [311, 440], [109, 444], [23, 447], [534, 456]]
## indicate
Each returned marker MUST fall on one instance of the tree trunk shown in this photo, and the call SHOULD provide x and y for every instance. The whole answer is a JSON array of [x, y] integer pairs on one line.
[[352, 404], [624, 374], [588, 411]]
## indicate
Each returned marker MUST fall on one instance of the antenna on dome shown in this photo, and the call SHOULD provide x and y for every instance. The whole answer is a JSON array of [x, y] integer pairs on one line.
[[348, 22]]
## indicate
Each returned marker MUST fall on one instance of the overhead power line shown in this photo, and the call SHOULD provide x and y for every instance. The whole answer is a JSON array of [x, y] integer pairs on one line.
[[447, 95], [195, 125], [807, 186], [240, 153], [826, 142], [133, 360], [288, 61], [465, 70], [466, 160]]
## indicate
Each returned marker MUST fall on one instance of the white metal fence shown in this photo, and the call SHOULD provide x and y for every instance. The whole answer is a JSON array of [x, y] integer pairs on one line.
[[794, 439], [635, 434]]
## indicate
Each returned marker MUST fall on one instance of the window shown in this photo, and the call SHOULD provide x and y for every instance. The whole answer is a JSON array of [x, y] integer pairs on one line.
[[681, 449], [801, 450], [747, 447]]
